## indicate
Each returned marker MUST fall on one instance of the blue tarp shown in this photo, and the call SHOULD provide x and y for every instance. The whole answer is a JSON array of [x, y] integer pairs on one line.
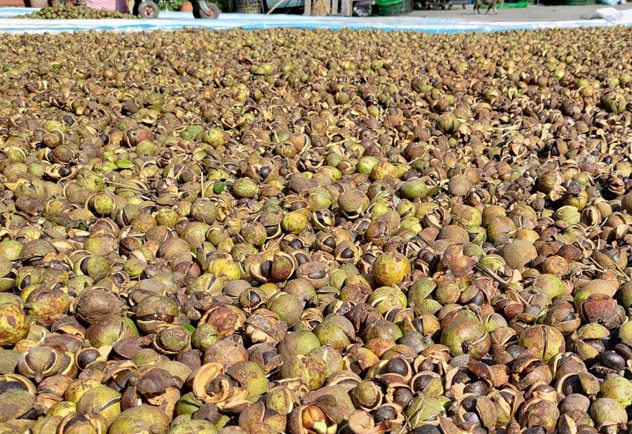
[[179, 20]]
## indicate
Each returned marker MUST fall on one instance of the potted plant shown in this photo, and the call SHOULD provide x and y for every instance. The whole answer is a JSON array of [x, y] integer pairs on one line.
[[170, 5], [187, 6]]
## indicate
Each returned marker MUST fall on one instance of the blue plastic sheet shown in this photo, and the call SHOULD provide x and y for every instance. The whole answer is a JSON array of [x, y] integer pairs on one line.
[[179, 20]]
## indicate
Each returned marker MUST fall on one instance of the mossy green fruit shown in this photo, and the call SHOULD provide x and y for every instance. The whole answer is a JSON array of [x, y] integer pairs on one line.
[[466, 335], [391, 268], [413, 189], [140, 420], [607, 410], [617, 388], [194, 427], [518, 253], [14, 324], [101, 400]]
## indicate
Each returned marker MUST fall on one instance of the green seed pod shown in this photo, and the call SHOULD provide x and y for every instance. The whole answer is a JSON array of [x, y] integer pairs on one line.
[[386, 298], [256, 418], [245, 187], [140, 419], [204, 210], [466, 335], [518, 253], [287, 306], [607, 410], [448, 123], [10, 249], [250, 376], [618, 388], [336, 331], [413, 189], [14, 324], [547, 341], [366, 164], [308, 367], [214, 137], [391, 268], [193, 427], [298, 343], [109, 330], [548, 284], [332, 358], [101, 400], [204, 336], [294, 222]]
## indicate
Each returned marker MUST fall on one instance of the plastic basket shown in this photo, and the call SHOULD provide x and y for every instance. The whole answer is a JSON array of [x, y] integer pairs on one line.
[[248, 6], [381, 3], [401, 8]]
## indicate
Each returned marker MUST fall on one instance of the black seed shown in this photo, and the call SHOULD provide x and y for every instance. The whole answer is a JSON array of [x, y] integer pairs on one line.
[[515, 350], [421, 382], [478, 299], [26, 281], [86, 357], [254, 297], [347, 254], [471, 417], [396, 366], [469, 403], [317, 274], [624, 351], [535, 430], [119, 278], [612, 360], [426, 429], [402, 396], [302, 258], [572, 385], [384, 413], [11, 385], [32, 414], [266, 268], [478, 388], [296, 244], [268, 356]]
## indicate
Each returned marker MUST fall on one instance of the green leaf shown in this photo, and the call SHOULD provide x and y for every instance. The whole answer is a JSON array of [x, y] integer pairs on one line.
[[108, 166], [109, 155], [219, 187], [124, 164], [434, 191], [189, 327]]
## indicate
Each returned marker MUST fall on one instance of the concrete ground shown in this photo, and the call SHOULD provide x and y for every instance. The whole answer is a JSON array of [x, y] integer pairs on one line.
[[533, 13]]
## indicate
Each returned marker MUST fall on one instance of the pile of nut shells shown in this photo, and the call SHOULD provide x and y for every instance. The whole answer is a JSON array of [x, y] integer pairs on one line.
[[316, 232], [72, 12]]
